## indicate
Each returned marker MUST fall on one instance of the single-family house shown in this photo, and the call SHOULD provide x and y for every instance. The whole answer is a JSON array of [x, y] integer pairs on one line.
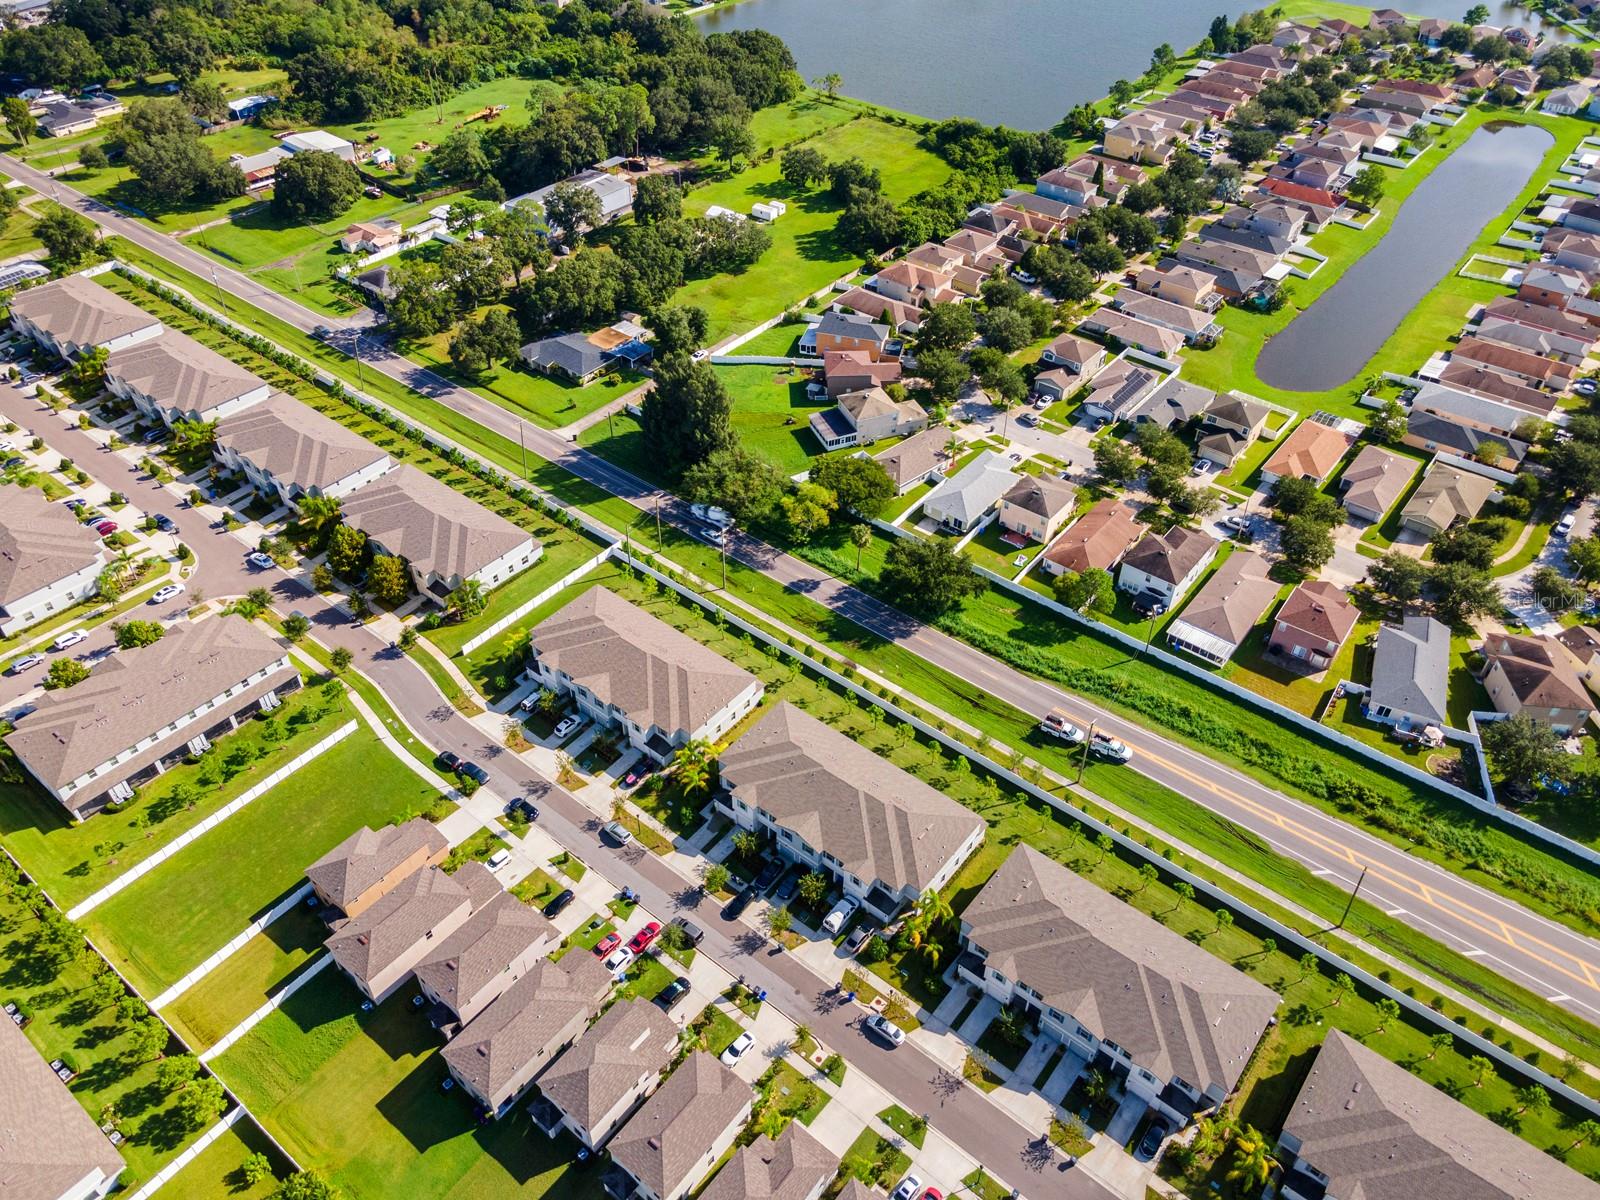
[[1313, 624], [831, 804], [1431, 29], [852, 371], [613, 1066], [48, 560], [260, 169], [1193, 325], [1236, 415], [368, 237], [1057, 383], [904, 318], [145, 710], [174, 378], [1311, 451], [916, 460], [1070, 184], [1075, 354], [319, 139], [1036, 506], [1582, 215], [1479, 78], [1535, 675], [1365, 1126], [567, 355], [1166, 565], [1373, 481], [965, 499], [626, 669], [65, 119], [1570, 350], [795, 1166], [1096, 540], [445, 537], [1119, 390], [74, 313], [1493, 416], [1174, 1025], [1410, 674], [1433, 433], [912, 283], [866, 416], [245, 108], [842, 331], [1508, 360], [502, 1050], [614, 192], [1121, 329], [1181, 285], [474, 965], [1215, 623], [1238, 271], [1447, 495], [1539, 316], [288, 450], [1567, 101], [1174, 404], [683, 1129], [370, 863]]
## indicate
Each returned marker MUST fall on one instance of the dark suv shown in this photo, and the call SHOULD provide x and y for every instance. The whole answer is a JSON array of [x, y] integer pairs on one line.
[[563, 898], [672, 993], [473, 772], [767, 878], [692, 931]]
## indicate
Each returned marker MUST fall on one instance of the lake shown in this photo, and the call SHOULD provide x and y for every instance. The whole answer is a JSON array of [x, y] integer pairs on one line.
[[1329, 343], [1022, 63]]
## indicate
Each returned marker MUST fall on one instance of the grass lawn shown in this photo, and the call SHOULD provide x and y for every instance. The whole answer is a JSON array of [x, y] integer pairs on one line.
[[74, 860], [537, 888], [715, 1029], [909, 1127], [795, 1096], [165, 924], [873, 1158], [247, 979], [16, 235], [214, 1174], [558, 559], [261, 238], [358, 1097], [646, 977], [779, 341], [805, 255], [480, 847], [997, 1046]]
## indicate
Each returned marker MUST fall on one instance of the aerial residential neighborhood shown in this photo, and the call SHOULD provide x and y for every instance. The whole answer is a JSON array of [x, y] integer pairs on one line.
[[705, 601]]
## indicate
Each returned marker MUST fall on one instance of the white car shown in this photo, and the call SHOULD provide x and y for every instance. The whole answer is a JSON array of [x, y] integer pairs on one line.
[[499, 859], [71, 638], [909, 1187], [737, 1047], [565, 726], [167, 593], [8, 447], [619, 960], [26, 663], [1564, 526], [259, 560], [841, 913], [881, 1025], [1057, 725]]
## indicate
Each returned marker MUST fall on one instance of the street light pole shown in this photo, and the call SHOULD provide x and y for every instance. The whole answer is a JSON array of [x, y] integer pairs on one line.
[[658, 520], [522, 439]]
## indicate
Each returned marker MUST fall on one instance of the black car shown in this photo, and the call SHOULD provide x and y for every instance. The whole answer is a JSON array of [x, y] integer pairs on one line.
[[740, 901], [672, 993], [787, 889], [165, 523], [523, 807], [859, 935], [1149, 604], [767, 877], [563, 898], [1150, 1143], [449, 761], [154, 436], [474, 772], [692, 931]]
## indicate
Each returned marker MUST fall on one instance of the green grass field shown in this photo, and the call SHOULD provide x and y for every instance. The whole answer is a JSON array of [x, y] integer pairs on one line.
[[358, 1097], [558, 560], [166, 923], [214, 1174]]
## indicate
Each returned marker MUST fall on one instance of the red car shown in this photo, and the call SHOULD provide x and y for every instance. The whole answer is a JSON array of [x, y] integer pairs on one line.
[[607, 944], [105, 528], [641, 940], [933, 1194]]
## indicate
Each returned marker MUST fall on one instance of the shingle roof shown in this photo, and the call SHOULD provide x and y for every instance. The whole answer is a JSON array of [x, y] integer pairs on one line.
[[1121, 386], [844, 325], [367, 945], [1043, 495], [40, 543], [914, 457], [178, 372], [491, 940], [668, 1137], [633, 1039], [1169, 557], [1375, 478], [430, 524], [790, 1168], [1096, 539], [48, 1143], [135, 694], [1448, 494], [296, 443], [973, 490], [1380, 1133], [881, 822], [572, 352], [1540, 675], [1320, 609], [1229, 604], [1461, 439], [1176, 1009], [500, 1041], [1236, 411], [367, 855], [628, 658], [78, 310], [1311, 449], [1410, 668]]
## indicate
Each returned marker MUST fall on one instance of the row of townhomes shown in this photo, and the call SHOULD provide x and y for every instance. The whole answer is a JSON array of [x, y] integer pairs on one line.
[[283, 448]]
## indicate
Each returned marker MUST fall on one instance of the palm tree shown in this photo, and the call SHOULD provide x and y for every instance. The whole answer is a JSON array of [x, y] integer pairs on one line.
[[318, 512], [692, 765], [828, 84], [1309, 963], [1252, 1164], [1343, 985], [1103, 843], [1147, 875], [860, 538], [469, 599]]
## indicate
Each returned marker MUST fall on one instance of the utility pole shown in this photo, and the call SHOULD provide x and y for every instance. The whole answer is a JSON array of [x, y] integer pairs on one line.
[[1155, 615], [658, 520], [222, 298], [522, 439], [1350, 903], [1083, 760]]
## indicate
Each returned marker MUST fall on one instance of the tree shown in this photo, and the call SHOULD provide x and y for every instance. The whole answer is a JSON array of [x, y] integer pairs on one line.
[[1481, 1068], [945, 373], [174, 166], [1248, 146], [1116, 462], [1398, 576], [1587, 1131], [716, 878], [307, 1185], [1554, 592], [687, 415], [814, 886], [779, 920], [147, 1039], [296, 626], [1388, 1011], [1440, 1041], [477, 345], [469, 599], [1062, 275], [746, 843], [318, 513], [807, 510], [312, 186], [1090, 591], [736, 479], [947, 327], [1460, 591], [177, 1072], [388, 580], [341, 660], [1306, 543], [830, 83], [1523, 750], [189, 436], [1367, 187], [346, 550], [860, 485], [658, 198], [20, 123], [1532, 1097], [1252, 1160], [1575, 467], [1478, 14], [461, 156], [572, 210], [928, 577], [1389, 426], [870, 221], [68, 238], [802, 167], [132, 634], [731, 137], [680, 329], [64, 673]]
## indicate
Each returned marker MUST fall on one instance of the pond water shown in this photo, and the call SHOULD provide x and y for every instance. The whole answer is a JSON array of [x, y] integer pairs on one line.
[[1331, 341], [1022, 63]]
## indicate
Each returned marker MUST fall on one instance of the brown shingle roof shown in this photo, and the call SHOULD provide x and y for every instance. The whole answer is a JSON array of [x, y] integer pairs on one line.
[[367, 855], [790, 1168], [1176, 1009], [1380, 1133], [1448, 494], [296, 443], [633, 1039], [370, 943], [916, 456], [643, 666], [178, 372], [1540, 675], [1172, 555], [1231, 601], [492, 939], [78, 310], [40, 543], [48, 1143], [1096, 539], [879, 821], [1042, 495], [430, 524], [666, 1138], [1319, 608]]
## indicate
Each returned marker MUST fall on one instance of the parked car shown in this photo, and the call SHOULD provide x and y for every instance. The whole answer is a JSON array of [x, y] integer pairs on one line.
[[640, 942], [617, 834], [26, 663], [1586, 387], [1236, 523], [154, 436], [607, 944], [838, 915], [165, 523], [909, 1187], [7, 447], [564, 727], [767, 877], [563, 898], [690, 929], [260, 561], [71, 638], [736, 1048], [1150, 1144], [75, 503], [618, 960], [448, 761], [499, 859], [1024, 277], [11, 464], [879, 1024], [473, 772], [787, 888], [522, 807], [1564, 526], [859, 935], [672, 993], [1149, 604], [163, 594], [105, 528], [932, 1194], [1107, 747], [530, 702], [1202, 467], [738, 903]]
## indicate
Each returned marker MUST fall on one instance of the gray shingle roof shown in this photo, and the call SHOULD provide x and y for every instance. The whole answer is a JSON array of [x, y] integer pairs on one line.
[[1461, 439], [1448, 494], [666, 1138], [846, 325], [914, 457], [491, 940], [633, 1039], [178, 372], [367, 855], [1169, 557], [790, 1168], [573, 353], [1176, 1009], [1231, 601], [48, 1143], [40, 543], [1380, 1133], [1411, 668], [1375, 478], [879, 821], [296, 443], [367, 945], [973, 490], [78, 310], [641, 665], [430, 524]]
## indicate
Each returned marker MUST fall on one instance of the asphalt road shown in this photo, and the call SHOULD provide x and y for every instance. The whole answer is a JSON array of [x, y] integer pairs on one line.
[[1544, 955]]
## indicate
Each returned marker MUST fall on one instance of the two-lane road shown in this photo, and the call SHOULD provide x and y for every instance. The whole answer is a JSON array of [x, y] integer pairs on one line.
[[1544, 955]]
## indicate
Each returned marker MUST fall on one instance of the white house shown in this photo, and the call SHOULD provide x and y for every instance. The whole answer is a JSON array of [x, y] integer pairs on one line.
[[288, 450], [174, 378], [624, 668], [1166, 565], [963, 500], [830, 803], [74, 314], [48, 561]]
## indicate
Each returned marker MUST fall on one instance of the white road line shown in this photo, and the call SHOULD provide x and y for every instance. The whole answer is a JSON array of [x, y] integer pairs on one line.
[[1473, 953]]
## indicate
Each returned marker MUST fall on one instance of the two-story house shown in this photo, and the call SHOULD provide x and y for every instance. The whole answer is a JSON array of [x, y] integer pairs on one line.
[[1312, 624], [1036, 506], [70, 315], [1166, 565], [473, 966], [368, 864], [843, 331], [48, 560], [793, 1166], [288, 450], [618, 1061], [52, 1148], [174, 378], [667, 1147], [866, 416], [1535, 675]]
